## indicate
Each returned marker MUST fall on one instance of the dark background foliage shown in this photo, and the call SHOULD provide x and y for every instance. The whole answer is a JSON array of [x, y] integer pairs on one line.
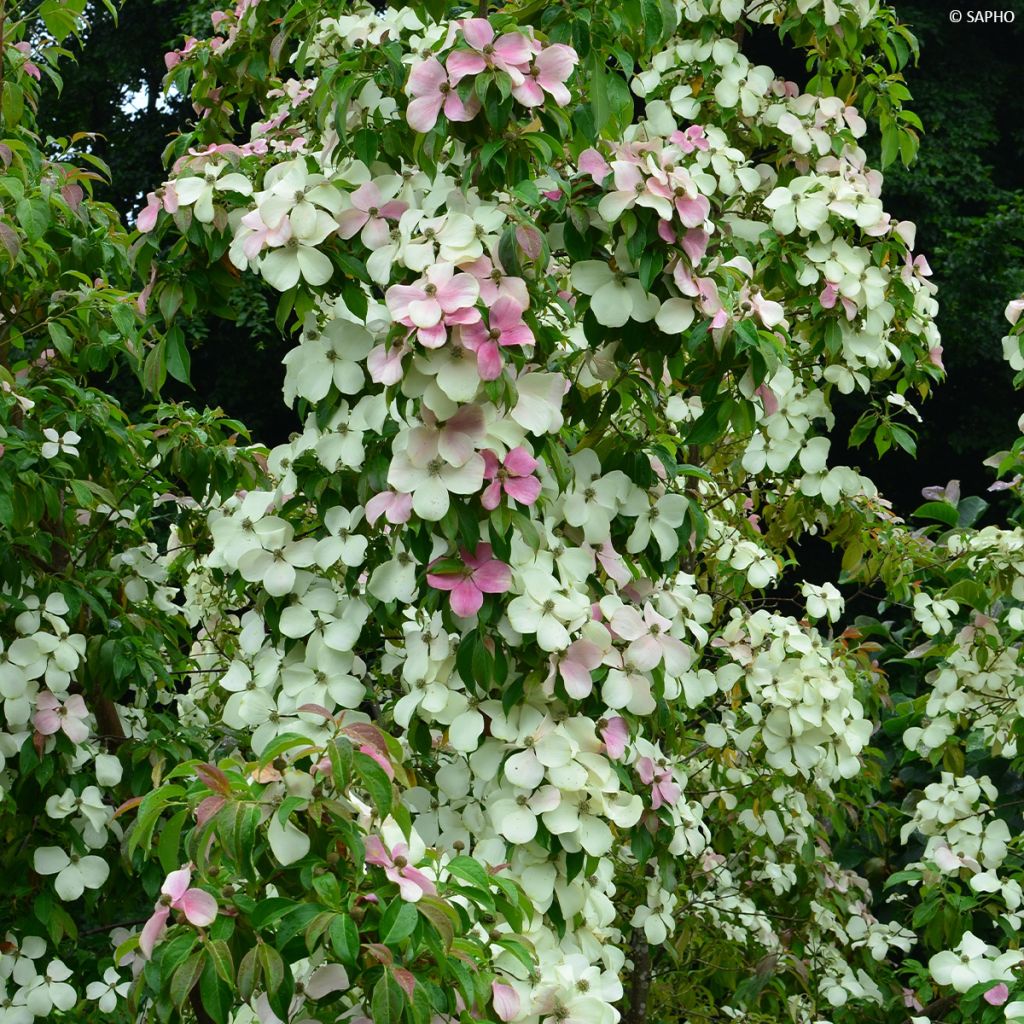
[[965, 192]]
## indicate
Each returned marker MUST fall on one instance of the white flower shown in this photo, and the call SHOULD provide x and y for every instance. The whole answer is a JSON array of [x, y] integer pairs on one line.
[[548, 610], [299, 258], [199, 191], [824, 602], [935, 616], [395, 580], [274, 565], [51, 991], [341, 443], [803, 203], [331, 355], [972, 961], [539, 408], [303, 197], [662, 520], [514, 811], [74, 874], [615, 297], [342, 544], [288, 842], [107, 991], [420, 469], [89, 803], [56, 443]]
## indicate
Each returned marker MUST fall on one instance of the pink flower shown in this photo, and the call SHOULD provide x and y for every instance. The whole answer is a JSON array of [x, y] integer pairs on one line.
[[767, 396], [496, 284], [691, 206], [916, 267], [53, 716], [514, 476], [612, 563], [370, 211], [412, 884], [649, 640], [263, 235], [575, 666], [633, 189], [198, 906], [395, 507], [552, 66], [997, 995], [506, 1001], [829, 295], [508, 54], [505, 327], [165, 198], [614, 733], [385, 364], [432, 91], [482, 574], [663, 789], [440, 298], [693, 138], [591, 162]]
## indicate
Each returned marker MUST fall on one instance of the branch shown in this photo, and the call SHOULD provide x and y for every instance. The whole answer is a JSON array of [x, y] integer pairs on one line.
[[640, 980], [110, 927]]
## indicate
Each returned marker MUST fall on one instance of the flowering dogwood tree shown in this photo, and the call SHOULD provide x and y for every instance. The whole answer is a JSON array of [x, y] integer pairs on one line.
[[481, 698]]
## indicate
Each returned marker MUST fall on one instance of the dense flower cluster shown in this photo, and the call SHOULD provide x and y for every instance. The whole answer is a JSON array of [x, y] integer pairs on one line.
[[487, 670]]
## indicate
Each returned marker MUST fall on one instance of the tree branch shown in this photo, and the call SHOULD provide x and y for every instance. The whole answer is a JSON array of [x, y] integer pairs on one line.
[[640, 980]]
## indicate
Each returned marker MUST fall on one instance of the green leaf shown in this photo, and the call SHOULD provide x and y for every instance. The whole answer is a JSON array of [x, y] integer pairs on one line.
[[890, 144], [215, 995], [167, 847], [470, 871], [970, 510], [219, 954], [13, 105], [270, 910], [186, 977], [375, 781], [61, 339], [970, 592], [278, 979], [528, 192], [654, 23], [941, 511], [154, 372], [344, 939], [398, 923], [387, 1001], [249, 974], [179, 362], [904, 438], [34, 217]]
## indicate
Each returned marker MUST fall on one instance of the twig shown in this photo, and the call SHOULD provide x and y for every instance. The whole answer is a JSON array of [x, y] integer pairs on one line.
[[110, 927]]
